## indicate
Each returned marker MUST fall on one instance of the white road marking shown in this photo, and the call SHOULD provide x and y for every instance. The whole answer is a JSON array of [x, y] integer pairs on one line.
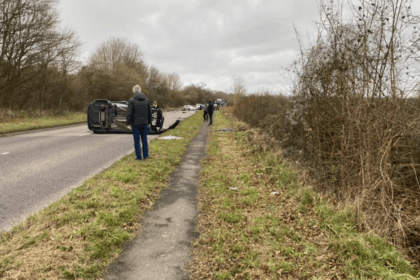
[[5, 153], [83, 135]]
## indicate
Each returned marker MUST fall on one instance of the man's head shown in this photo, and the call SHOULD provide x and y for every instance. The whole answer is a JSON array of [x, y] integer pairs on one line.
[[136, 89]]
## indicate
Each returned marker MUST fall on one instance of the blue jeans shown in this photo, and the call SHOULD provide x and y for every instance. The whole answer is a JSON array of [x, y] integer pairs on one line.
[[140, 131]]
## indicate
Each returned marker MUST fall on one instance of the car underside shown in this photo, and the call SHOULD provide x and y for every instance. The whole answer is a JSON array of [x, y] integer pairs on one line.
[[105, 116]]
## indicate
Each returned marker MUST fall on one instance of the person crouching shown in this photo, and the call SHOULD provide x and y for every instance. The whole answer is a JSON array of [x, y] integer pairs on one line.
[[139, 116]]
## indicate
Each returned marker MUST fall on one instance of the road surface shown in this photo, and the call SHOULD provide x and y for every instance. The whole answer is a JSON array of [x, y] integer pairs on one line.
[[40, 167]]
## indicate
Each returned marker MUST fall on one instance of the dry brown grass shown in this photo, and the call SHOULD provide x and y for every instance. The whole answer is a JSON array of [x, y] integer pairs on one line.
[[11, 115], [365, 255], [378, 182], [353, 122], [57, 243], [12, 121]]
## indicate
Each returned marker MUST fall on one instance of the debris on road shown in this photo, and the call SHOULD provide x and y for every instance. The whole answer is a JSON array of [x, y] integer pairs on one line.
[[170, 137]]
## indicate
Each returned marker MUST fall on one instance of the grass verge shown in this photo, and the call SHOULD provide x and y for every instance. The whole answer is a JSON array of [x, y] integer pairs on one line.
[[256, 221], [78, 236], [30, 123]]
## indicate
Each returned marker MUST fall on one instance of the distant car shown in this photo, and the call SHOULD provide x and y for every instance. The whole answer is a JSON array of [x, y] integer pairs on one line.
[[220, 102], [188, 108], [199, 106], [104, 116]]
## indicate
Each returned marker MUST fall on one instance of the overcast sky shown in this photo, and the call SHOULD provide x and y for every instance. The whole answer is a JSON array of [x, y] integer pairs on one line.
[[203, 41]]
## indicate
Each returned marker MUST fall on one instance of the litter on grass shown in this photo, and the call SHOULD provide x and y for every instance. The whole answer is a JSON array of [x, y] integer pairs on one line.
[[233, 189], [170, 137], [274, 193], [225, 130]]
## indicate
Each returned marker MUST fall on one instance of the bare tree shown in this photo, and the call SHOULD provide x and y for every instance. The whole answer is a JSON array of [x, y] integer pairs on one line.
[[154, 79], [356, 127], [174, 82], [113, 68], [238, 85], [30, 43], [114, 52]]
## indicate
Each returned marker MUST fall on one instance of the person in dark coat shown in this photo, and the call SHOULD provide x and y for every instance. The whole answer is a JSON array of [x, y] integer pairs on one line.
[[205, 113], [139, 116], [210, 110]]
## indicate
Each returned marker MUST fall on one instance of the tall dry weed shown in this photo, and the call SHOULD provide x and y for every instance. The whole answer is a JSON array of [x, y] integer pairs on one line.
[[353, 120]]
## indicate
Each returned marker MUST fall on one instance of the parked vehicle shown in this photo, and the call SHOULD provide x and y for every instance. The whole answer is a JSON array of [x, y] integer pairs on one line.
[[220, 102], [104, 116], [199, 106], [188, 108]]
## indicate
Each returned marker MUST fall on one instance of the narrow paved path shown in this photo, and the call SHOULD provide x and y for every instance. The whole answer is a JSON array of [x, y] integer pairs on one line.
[[163, 247], [41, 166]]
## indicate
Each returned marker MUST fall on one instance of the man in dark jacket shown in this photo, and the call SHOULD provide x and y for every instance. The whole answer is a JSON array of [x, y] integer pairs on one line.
[[139, 116], [205, 114], [210, 110]]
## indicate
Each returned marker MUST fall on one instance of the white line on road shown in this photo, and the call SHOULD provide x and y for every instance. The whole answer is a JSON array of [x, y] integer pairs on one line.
[[5, 153], [83, 135]]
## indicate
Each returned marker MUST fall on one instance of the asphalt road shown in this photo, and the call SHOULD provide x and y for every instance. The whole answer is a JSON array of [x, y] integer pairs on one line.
[[40, 167]]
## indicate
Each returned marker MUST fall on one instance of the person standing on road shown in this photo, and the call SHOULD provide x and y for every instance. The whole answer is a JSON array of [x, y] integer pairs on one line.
[[139, 116], [210, 110]]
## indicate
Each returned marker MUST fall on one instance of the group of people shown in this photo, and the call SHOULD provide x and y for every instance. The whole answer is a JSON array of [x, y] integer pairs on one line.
[[139, 117]]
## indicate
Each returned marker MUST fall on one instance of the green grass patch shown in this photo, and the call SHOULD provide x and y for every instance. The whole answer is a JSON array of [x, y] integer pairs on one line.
[[367, 256], [235, 217], [25, 122], [78, 236], [258, 222]]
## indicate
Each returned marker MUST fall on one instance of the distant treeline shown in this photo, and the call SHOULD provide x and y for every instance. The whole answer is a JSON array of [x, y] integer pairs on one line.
[[40, 67]]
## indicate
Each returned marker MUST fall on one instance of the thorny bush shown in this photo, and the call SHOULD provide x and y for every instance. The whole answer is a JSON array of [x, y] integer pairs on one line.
[[353, 117]]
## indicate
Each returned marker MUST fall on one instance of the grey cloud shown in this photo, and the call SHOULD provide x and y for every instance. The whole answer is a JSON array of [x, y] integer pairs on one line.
[[201, 40]]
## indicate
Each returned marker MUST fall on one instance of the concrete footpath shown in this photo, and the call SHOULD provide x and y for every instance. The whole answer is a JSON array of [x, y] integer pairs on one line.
[[163, 247]]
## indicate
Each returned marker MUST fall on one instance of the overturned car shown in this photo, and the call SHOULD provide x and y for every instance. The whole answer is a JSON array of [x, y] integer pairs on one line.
[[104, 116]]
